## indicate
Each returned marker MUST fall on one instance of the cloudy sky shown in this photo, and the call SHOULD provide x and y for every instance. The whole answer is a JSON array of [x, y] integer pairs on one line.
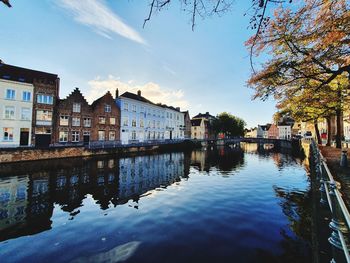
[[100, 45]]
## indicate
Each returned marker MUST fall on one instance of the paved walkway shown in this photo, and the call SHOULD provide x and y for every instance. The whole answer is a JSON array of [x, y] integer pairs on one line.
[[341, 174]]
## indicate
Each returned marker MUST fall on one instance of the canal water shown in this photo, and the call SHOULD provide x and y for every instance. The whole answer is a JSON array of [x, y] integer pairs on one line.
[[214, 205]]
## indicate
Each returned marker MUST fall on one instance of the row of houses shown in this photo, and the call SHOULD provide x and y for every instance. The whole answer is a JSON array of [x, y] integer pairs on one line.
[[32, 114], [285, 128]]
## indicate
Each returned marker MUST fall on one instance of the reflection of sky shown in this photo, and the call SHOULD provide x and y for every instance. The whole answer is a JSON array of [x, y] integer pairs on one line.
[[214, 214]]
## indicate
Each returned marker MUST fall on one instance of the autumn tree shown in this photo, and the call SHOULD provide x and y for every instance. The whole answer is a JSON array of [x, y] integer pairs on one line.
[[309, 52]]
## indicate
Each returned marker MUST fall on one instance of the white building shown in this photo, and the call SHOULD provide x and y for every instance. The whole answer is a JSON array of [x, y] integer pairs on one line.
[[143, 120], [284, 131], [16, 107], [174, 123], [262, 131]]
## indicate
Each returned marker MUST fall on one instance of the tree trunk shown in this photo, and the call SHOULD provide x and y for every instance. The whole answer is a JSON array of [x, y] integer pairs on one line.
[[329, 128], [317, 131], [338, 136]]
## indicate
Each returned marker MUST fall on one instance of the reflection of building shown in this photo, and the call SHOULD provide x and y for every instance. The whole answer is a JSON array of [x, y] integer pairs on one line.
[[224, 158], [30, 200], [13, 201], [141, 174]]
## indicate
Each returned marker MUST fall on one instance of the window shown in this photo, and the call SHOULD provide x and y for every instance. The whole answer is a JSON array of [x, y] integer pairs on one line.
[[101, 120], [141, 123], [133, 123], [45, 99], [25, 114], [9, 112], [63, 136], [108, 108], [101, 135], [43, 117], [154, 123], [133, 135], [75, 121], [112, 121], [112, 135], [125, 121], [75, 136], [134, 108], [87, 122], [76, 107], [64, 120], [149, 124], [126, 106], [158, 124], [10, 94], [8, 134], [142, 110], [26, 96]]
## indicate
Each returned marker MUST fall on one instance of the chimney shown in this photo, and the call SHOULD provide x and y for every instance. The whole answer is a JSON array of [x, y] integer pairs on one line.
[[178, 108], [116, 93], [207, 113], [139, 93]]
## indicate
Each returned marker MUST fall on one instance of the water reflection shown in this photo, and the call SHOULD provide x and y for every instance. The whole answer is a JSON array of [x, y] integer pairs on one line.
[[153, 229], [27, 201]]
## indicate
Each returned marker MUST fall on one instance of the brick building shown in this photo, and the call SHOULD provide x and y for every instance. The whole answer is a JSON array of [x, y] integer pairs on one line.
[[45, 97], [106, 119], [73, 119]]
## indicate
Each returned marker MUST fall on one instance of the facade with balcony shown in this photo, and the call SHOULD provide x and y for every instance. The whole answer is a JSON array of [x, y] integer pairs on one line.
[[16, 107]]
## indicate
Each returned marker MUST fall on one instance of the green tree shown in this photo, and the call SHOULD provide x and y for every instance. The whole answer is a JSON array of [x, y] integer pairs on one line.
[[228, 124]]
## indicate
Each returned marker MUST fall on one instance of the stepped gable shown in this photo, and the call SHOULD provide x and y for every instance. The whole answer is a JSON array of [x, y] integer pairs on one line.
[[74, 96]]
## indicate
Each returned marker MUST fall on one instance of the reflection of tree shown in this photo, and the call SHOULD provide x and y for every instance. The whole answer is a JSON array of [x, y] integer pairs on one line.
[[225, 158], [296, 243]]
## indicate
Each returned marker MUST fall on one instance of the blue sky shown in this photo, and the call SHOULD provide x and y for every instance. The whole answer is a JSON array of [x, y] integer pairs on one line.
[[100, 45]]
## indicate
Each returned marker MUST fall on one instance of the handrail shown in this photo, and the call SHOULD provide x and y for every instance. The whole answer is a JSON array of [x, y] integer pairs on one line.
[[338, 202]]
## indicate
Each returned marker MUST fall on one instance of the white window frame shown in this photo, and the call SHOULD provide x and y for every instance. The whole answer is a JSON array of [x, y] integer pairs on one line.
[[75, 121], [11, 93], [9, 112], [75, 136], [25, 114], [7, 138], [64, 118], [108, 108], [112, 121], [87, 122], [26, 95], [76, 107], [63, 136]]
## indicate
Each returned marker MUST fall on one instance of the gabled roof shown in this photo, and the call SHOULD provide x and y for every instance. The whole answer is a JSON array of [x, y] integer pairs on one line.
[[133, 96], [9, 72], [196, 122], [204, 115], [96, 102], [265, 127]]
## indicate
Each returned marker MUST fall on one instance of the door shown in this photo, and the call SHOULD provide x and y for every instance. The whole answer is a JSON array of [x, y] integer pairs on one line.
[[171, 135], [42, 140], [24, 137], [86, 138]]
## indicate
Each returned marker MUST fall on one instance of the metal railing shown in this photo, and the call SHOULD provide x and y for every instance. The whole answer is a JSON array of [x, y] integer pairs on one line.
[[131, 143], [331, 195]]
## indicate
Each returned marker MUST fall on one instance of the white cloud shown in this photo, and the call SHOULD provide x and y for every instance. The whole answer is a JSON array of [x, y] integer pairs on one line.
[[150, 90], [95, 14]]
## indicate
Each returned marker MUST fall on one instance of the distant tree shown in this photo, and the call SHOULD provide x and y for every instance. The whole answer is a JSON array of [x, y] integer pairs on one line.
[[229, 125]]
